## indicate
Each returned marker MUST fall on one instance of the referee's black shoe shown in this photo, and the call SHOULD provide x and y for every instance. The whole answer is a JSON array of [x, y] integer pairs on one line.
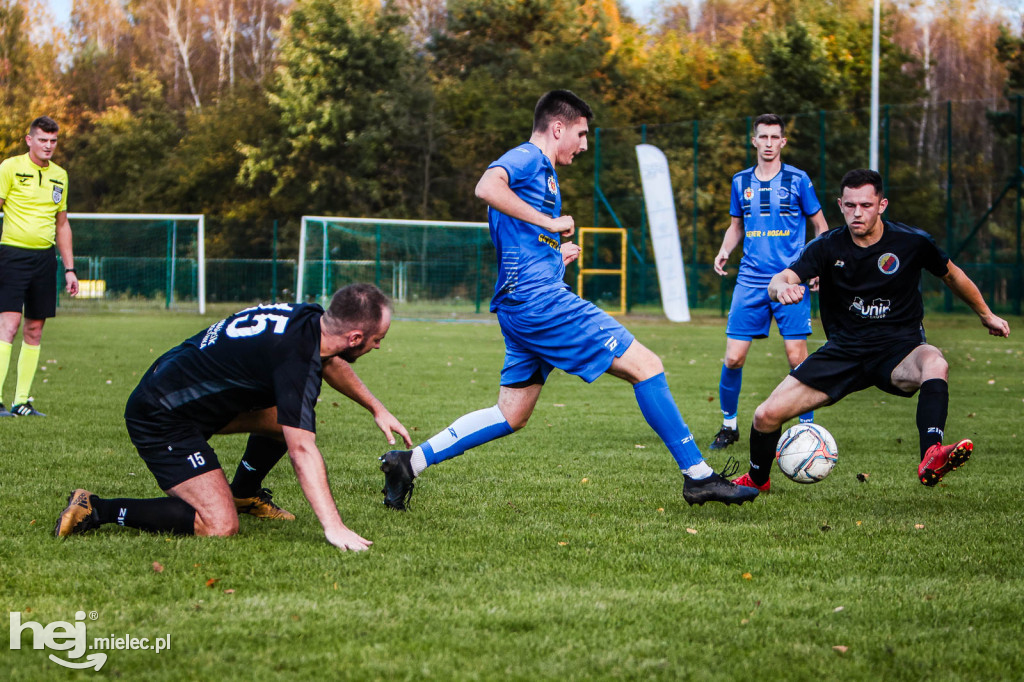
[[4, 412], [724, 438], [398, 478], [717, 488], [25, 410]]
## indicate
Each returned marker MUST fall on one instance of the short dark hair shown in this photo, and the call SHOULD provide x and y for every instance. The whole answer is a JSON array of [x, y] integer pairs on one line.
[[356, 306], [859, 177], [44, 123], [770, 120], [561, 104]]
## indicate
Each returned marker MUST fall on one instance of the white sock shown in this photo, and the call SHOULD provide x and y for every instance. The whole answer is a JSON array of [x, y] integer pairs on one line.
[[698, 471], [730, 423], [418, 461]]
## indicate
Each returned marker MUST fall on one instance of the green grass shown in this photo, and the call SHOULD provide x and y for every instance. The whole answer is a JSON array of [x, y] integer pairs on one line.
[[562, 552]]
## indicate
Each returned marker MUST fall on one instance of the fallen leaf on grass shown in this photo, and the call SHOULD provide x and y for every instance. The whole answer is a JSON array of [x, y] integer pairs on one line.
[[585, 480], [32, 522], [918, 526], [837, 609], [859, 522], [661, 510], [640, 447], [840, 649], [863, 478], [212, 581], [229, 591], [562, 544], [693, 531], [748, 576], [158, 567]]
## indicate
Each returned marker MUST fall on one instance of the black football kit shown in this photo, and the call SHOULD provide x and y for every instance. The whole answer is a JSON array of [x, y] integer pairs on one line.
[[870, 304], [260, 357]]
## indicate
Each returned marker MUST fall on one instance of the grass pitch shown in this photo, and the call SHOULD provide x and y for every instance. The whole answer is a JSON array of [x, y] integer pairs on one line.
[[562, 552]]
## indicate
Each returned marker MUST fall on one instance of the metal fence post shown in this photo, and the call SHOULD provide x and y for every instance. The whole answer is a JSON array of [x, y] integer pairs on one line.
[[947, 294]]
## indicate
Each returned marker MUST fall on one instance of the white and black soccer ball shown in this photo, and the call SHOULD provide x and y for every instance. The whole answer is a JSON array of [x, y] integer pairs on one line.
[[806, 453]]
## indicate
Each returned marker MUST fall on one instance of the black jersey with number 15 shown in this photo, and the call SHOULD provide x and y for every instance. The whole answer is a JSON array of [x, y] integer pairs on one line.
[[870, 296], [260, 357]]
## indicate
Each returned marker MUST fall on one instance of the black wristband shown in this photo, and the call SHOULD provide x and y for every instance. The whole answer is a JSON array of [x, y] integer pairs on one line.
[[67, 270]]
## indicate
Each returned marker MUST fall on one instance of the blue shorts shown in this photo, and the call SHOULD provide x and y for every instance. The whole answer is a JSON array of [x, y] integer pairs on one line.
[[559, 330], [750, 316]]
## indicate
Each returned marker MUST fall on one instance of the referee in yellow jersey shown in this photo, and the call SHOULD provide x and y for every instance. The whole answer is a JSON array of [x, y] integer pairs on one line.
[[34, 200]]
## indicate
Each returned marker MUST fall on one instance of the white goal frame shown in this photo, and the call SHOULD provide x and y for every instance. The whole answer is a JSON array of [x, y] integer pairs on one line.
[[326, 220]]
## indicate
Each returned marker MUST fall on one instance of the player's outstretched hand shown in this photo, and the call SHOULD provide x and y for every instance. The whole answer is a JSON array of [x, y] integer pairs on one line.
[[387, 423], [564, 225], [570, 252], [347, 540], [812, 284], [996, 325]]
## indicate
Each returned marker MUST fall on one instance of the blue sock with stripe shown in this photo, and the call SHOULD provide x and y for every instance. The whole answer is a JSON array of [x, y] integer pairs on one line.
[[468, 431], [660, 411]]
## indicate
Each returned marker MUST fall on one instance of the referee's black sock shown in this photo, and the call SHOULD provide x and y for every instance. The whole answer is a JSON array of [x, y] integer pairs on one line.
[[932, 407], [155, 515], [261, 454], [762, 454]]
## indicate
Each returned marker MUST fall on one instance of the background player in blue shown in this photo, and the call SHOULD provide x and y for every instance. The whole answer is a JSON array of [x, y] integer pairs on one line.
[[545, 325], [871, 309], [259, 372], [770, 205]]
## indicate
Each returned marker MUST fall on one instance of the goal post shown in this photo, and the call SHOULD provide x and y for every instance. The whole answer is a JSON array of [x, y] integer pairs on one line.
[[131, 260], [603, 257], [433, 267]]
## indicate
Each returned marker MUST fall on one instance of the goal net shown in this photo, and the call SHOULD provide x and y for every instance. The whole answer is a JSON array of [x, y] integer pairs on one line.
[[129, 261], [433, 268]]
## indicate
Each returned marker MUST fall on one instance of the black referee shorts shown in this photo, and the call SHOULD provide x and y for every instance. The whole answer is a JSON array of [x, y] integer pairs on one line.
[[28, 281], [838, 371]]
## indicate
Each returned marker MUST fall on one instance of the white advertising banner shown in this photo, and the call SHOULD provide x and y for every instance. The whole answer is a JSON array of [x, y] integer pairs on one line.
[[661, 216]]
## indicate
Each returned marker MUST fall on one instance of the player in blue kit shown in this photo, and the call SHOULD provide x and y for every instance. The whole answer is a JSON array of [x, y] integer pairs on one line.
[[259, 372], [871, 310], [770, 205], [547, 326]]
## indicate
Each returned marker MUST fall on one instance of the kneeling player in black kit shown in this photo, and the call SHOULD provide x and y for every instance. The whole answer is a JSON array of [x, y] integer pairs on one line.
[[869, 277], [259, 372]]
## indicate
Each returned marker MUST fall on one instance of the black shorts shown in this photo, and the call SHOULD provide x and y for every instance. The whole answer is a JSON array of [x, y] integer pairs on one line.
[[839, 371], [175, 451], [28, 281]]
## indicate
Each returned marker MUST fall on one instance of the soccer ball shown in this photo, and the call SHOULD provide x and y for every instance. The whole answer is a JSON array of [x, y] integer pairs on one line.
[[806, 453]]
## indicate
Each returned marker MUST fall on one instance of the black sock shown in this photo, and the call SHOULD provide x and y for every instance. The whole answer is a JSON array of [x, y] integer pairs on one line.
[[155, 515], [762, 454], [261, 454], [932, 407]]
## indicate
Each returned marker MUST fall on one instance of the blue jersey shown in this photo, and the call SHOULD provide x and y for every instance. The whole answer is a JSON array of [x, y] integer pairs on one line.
[[774, 215], [529, 259]]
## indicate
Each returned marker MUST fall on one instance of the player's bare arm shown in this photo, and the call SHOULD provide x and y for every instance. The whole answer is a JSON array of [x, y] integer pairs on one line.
[[733, 236], [785, 288], [967, 291], [493, 189], [342, 377], [66, 254], [818, 221], [312, 475]]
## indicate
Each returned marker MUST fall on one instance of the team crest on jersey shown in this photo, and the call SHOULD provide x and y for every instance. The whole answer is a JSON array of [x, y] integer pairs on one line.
[[783, 192], [58, 192], [552, 187], [888, 263], [748, 194]]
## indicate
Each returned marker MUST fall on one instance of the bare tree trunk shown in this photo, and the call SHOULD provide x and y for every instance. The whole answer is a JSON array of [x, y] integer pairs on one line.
[[182, 41], [927, 95]]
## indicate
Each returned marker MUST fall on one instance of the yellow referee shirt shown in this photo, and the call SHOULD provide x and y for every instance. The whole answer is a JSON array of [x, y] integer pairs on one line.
[[33, 196]]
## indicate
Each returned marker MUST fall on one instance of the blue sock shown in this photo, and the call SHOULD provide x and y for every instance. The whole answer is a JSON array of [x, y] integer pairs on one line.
[[807, 417], [729, 391], [660, 411], [468, 431]]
